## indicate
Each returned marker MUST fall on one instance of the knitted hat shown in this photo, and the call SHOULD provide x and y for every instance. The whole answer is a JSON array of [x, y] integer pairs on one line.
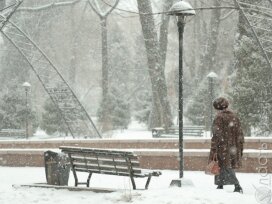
[[220, 103]]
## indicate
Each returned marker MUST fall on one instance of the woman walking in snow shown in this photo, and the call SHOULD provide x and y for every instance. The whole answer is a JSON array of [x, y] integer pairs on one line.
[[227, 143]]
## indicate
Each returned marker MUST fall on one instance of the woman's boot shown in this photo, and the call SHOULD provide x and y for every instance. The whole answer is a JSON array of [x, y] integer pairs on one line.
[[238, 188], [219, 187]]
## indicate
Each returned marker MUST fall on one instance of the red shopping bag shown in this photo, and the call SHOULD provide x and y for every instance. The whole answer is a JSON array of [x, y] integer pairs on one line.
[[213, 167]]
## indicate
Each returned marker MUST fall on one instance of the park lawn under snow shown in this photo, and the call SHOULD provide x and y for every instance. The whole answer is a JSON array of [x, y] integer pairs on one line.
[[203, 191]]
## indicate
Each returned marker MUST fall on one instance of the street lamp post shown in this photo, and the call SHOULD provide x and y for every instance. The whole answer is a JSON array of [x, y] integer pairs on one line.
[[211, 77], [27, 86], [181, 10]]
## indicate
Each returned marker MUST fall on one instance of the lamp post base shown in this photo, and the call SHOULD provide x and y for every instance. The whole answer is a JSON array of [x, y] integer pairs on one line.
[[181, 183]]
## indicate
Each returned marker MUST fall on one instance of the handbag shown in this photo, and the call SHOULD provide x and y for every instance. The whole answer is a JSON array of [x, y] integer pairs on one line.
[[213, 167]]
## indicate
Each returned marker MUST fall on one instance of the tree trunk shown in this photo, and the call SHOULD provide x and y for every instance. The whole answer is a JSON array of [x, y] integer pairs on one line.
[[106, 123], [2, 4], [72, 68], [160, 114], [105, 64], [163, 40], [196, 35], [209, 59]]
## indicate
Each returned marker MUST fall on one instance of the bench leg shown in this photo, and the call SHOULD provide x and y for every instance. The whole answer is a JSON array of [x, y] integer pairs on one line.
[[76, 179], [88, 180], [133, 182], [148, 181], [73, 170]]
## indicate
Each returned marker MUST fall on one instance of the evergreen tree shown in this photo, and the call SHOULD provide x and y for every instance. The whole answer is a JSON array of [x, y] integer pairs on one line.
[[142, 95], [199, 108], [52, 121], [120, 62], [252, 87], [13, 111], [116, 109], [143, 107], [252, 80]]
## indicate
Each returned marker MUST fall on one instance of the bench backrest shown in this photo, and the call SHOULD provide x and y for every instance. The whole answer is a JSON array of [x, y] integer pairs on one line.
[[197, 131], [12, 133], [102, 161]]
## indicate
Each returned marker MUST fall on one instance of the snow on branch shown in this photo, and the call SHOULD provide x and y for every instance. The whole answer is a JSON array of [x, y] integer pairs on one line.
[[268, 15], [96, 8], [227, 15], [2, 9], [48, 6], [254, 5]]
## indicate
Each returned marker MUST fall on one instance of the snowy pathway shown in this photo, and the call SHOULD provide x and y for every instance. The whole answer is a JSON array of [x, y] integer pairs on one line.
[[203, 192]]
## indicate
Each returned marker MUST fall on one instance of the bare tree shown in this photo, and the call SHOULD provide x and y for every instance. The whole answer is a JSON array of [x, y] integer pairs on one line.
[[209, 59], [72, 68], [2, 4], [103, 15], [161, 113], [48, 6], [75, 34], [163, 37]]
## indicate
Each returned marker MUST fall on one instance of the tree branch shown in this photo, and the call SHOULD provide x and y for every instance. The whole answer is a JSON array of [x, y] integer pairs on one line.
[[226, 15], [8, 7], [95, 9], [260, 12], [47, 6], [112, 8], [99, 11]]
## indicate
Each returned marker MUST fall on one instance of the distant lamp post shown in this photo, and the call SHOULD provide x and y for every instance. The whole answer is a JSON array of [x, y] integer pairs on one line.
[[27, 86], [211, 77], [181, 10]]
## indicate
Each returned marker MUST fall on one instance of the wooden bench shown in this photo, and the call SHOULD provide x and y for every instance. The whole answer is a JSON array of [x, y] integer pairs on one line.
[[17, 133], [194, 131], [102, 161]]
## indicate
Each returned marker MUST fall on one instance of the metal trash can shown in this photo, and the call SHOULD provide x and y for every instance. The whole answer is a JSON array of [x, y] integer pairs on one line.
[[57, 168]]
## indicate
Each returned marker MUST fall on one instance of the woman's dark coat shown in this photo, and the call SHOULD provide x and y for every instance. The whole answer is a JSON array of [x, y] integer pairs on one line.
[[227, 140]]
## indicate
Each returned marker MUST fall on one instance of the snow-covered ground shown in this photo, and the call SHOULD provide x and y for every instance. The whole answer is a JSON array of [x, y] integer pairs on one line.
[[135, 131], [203, 191]]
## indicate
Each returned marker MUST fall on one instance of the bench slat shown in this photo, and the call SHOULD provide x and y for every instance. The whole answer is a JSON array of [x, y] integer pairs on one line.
[[93, 152], [12, 133], [101, 155], [89, 150], [104, 161], [105, 168], [111, 173], [184, 134]]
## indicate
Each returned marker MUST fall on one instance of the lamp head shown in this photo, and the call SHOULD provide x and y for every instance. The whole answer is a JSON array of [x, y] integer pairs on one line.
[[26, 85], [182, 8], [212, 75]]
